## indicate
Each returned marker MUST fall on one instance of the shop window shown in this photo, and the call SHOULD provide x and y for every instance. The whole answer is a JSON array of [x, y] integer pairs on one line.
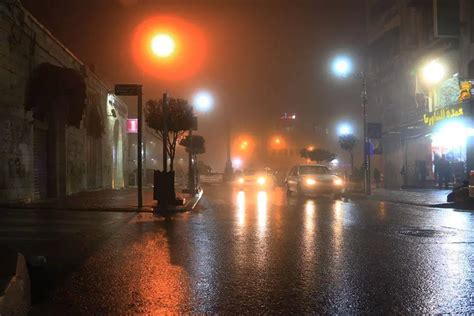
[[470, 67], [471, 19]]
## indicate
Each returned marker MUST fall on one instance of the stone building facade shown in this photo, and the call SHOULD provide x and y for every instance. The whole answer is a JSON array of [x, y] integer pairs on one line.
[[404, 36], [62, 131]]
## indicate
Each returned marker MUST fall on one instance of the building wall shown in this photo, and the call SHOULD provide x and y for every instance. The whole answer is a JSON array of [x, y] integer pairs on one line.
[[401, 39], [24, 45]]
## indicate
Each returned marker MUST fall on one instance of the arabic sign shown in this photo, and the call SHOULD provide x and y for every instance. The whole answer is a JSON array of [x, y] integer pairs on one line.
[[465, 91], [441, 114], [132, 126]]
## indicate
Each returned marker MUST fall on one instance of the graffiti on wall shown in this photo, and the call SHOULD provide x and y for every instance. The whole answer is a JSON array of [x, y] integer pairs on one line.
[[75, 162], [12, 135], [15, 155]]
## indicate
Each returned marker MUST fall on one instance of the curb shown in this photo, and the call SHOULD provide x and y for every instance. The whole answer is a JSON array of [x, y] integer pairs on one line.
[[189, 206], [131, 209], [362, 196], [458, 206]]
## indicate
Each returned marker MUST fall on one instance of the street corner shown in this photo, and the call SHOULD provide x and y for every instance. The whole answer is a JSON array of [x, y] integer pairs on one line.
[[190, 202]]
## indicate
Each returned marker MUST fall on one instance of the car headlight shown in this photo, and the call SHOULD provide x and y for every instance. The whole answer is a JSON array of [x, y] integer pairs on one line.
[[310, 182], [338, 182], [261, 180], [241, 180]]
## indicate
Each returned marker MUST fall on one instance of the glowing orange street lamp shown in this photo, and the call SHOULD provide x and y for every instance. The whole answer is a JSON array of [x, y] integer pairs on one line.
[[244, 145], [277, 142], [163, 45], [168, 47], [310, 148]]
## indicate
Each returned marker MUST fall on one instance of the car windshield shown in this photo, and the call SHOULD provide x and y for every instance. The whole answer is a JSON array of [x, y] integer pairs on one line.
[[314, 170]]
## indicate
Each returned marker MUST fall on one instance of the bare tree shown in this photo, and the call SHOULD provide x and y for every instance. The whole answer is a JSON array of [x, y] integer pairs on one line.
[[318, 155], [180, 117], [347, 143]]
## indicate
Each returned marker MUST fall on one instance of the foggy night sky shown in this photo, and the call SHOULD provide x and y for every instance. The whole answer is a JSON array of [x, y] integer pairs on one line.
[[265, 57]]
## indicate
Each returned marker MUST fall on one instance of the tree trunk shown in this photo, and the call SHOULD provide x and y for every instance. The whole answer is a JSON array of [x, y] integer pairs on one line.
[[171, 163], [352, 163]]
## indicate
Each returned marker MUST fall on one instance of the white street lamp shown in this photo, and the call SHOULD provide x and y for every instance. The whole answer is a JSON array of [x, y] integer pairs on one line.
[[203, 101], [344, 129], [433, 72], [342, 66]]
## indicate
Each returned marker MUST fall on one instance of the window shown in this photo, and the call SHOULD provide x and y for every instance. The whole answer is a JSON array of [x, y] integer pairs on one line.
[[293, 171], [470, 67], [314, 170]]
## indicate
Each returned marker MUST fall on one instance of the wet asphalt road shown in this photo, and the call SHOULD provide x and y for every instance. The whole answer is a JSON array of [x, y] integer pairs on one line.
[[255, 252]]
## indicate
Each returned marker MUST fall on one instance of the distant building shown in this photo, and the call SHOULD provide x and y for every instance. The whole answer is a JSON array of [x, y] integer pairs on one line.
[[419, 53], [62, 130]]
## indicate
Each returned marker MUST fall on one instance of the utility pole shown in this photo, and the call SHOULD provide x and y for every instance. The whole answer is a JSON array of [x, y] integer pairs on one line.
[[165, 132], [191, 182], [367, 184], [135, 90], [228, 172], [164, 202], [139, 149]]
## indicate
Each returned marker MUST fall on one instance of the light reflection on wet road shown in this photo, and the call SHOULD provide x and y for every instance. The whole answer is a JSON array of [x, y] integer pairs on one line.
[[248, 252]]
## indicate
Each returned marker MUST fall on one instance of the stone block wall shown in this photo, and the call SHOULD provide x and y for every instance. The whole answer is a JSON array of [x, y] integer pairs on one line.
[[24, 45]]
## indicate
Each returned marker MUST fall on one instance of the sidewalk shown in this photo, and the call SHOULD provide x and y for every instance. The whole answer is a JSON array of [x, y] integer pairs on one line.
[[421, 197], [104, 200]]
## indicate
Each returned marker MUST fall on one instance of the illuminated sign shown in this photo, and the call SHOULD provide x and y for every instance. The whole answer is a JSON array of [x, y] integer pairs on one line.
[[465, 91], [132, 126], [441, 114]]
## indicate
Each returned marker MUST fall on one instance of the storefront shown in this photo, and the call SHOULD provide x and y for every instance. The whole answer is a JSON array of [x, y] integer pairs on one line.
[[449, 131]]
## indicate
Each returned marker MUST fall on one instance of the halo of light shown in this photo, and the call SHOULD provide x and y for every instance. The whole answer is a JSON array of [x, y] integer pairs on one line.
[[433, 72], [188, 54], [344, 129], [203, 101], [237, 162], [162, 45], [452, 133], [342, 66]]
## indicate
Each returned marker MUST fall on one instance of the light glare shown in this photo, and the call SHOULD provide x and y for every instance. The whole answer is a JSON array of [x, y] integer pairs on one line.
[[342, 66], [237, 163], [345, 129], [433, 72], [162, 45], [203, 101]]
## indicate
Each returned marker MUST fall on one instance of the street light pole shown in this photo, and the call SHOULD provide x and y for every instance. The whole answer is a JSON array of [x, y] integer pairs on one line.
[[228, 171], [191, 179], [165, 132], [139, 148], [367, 182], [342, 67]]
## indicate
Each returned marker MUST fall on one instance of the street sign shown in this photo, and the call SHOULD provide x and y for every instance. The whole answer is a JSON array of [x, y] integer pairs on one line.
[[127, 89], [135, 126], [374, 130]]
